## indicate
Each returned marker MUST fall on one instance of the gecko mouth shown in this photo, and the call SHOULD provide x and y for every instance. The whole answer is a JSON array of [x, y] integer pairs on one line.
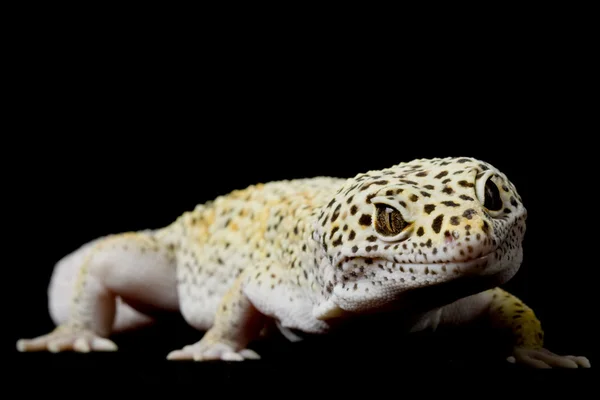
[[383, 271], [369, 284]]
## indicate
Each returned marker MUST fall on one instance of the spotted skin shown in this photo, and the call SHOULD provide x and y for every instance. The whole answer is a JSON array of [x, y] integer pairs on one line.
[[311, 254]]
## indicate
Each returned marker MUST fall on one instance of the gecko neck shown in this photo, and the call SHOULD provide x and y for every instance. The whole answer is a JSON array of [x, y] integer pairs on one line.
[[320, 262]]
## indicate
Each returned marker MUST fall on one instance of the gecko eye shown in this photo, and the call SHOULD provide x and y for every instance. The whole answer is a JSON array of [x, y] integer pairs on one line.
[[388, 220], [492, 201], [489, 194]]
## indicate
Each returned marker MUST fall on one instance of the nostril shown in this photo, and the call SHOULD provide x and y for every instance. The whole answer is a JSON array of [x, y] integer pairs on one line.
[[448, 237], [451, 237]]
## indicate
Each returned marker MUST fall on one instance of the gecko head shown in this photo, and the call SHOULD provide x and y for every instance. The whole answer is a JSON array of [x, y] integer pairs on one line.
[[447, 227]]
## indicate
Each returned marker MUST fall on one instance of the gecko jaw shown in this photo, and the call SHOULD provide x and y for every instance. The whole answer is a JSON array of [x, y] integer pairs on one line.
[[473, 266]]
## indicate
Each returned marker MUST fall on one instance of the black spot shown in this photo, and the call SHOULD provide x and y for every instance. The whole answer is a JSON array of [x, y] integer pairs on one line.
[[423, 173], [420, 231], [408, 182], [507, 210], [354, 209], [441, 175], [350, 199], [365, 220], [403, 204], [380, 183], [455, 220], [430, 187], [466, 184], [467, 198], [331, 203], [437, 223], [333, 231], [448, 190], [354, 249], [372, 238], [322, 223], [389, 193], [425, 194], [468, 214], [450, 203], [513, 202], [463, 160], [429, 208], [485, 227], [336, 213], [369, 197], [352, 235], [414, 197]]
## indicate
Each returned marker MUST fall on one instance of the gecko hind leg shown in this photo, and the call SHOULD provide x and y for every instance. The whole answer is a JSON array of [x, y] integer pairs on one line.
[[93, 289]]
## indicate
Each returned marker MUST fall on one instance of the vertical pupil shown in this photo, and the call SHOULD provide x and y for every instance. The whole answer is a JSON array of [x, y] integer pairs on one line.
[[390, 221], [493, 201]]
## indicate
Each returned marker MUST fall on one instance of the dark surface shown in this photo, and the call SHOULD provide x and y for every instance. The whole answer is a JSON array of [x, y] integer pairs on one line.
[[149, 139]]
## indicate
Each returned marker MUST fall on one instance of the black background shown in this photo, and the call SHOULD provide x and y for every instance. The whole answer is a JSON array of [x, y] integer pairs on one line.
[[125, 133]]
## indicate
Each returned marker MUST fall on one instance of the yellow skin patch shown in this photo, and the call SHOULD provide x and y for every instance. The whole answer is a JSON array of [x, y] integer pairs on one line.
[[307, 254], [508, 312]]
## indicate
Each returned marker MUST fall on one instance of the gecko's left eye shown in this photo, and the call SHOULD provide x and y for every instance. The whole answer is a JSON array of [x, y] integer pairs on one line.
[[492, 201], [388, 220], [489, 194]]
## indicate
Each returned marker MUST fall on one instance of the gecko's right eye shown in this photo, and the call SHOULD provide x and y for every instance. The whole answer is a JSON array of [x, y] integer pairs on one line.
[[388, 220]]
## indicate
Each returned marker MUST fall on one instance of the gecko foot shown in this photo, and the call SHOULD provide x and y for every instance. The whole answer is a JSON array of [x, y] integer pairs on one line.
[[543, 358], [203, 351], [65, 338]]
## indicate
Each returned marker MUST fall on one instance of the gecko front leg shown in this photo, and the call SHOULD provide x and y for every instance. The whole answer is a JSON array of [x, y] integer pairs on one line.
[[237, 322], [507, 314], [258, 296]]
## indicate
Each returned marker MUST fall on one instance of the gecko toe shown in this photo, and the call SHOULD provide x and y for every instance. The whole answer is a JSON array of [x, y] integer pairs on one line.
[[66, 338]]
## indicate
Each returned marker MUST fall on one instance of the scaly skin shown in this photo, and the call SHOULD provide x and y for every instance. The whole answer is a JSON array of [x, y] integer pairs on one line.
[[309, 253]]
